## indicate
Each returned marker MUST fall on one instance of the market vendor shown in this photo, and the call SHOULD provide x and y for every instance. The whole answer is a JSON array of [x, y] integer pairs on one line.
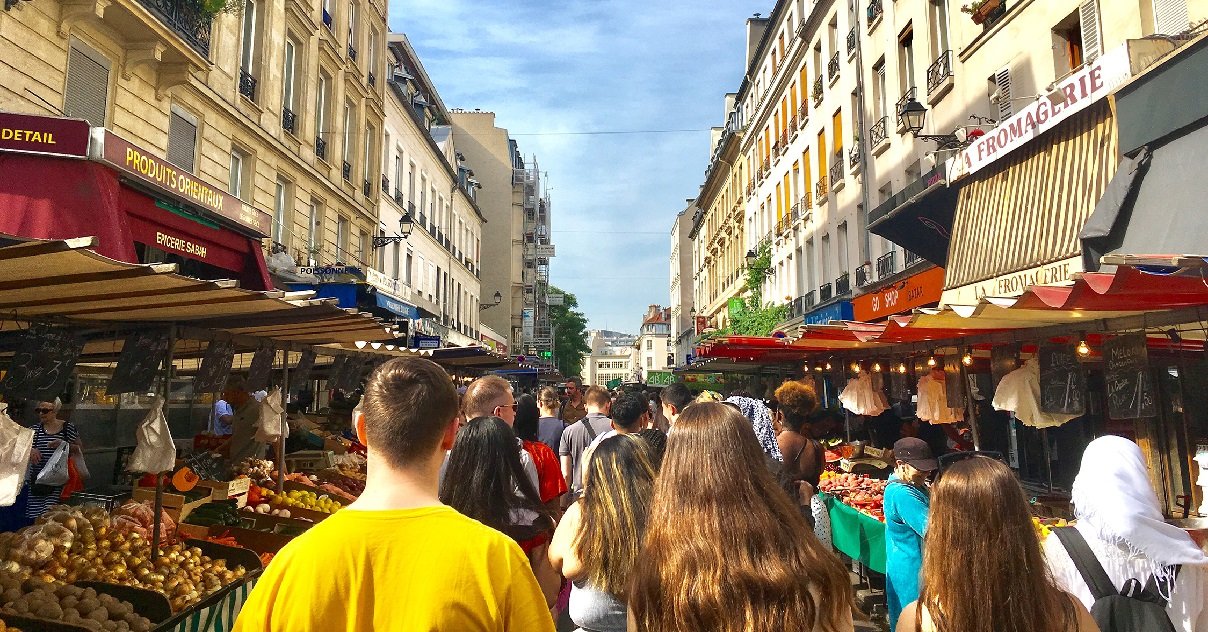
[[49, 433], [907, 503], [245, 418]]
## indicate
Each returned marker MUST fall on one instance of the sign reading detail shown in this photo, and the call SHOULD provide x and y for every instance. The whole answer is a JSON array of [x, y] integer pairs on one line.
[[43, 135], [1014, 283], [916, 291], [164, 176]]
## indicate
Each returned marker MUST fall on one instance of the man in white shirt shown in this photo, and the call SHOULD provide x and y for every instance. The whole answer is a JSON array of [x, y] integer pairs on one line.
[[491, 396]]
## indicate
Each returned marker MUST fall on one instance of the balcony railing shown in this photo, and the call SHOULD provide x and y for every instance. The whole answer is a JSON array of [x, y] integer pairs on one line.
[[843, 285], [909, 259], [825, 292], [818, 90], [398, 197], [807, 202], [777, 148], [900, 108], [385, 184], [808, 301], [851, 41], [878, 132], [288, 120], [832, 68], [784, 141], [887, 264], [875, 9], [347, 171], [187, 19], [821, 189], [792, 124], [836, 170], [795, 214], [247, 85], [352, 52], [366, 188], [853, 156], [783, 225], [862, 276], [938, 71], [320, 147]]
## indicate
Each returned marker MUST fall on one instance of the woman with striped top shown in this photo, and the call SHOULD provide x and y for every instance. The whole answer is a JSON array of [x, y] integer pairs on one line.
[[49, 432]]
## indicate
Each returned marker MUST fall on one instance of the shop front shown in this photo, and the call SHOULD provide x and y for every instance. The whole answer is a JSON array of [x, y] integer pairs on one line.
[[920, 289], [63, 179]]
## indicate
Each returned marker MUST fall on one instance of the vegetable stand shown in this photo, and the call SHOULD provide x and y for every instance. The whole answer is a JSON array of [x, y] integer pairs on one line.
[[856, 534]]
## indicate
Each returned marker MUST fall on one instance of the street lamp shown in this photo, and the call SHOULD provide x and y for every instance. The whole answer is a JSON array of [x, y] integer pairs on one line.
[[751, 257], [498, 298], [914, 114], [405, 224]]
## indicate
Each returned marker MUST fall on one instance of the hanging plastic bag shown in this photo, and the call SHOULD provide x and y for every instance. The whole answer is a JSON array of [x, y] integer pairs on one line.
[[81, 467], [54, 472], [155, 451], [75, 483], [16, 444], [269, 429]]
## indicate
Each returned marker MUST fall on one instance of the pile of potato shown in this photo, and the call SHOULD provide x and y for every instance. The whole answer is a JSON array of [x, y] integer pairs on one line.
[[69, 604]]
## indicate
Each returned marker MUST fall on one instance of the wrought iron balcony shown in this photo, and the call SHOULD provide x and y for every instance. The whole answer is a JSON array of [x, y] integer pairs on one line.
[[385, 184], [910, 259], [900, 107], [851, 41], [247, 85], [372, 79], [843, 285], [818, 90], [792, 124], [862, 276], [777, 148], [398, 197], [784, 141], [352, 52], [853, 157], [938, 71], [288, 120], [887, 264], [807, 202], [825, 292], [821, 189], [320, 147], [874, 12], [836, 170], [795, 214], [878, 132], [366, 188], [803, 111], [187, 19], [808, 301], [783, 225], [832, 68], [347, 172]]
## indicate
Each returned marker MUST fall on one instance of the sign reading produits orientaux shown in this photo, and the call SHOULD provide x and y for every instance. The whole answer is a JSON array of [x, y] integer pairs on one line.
[[1014, 283], [46, 135], [1076, 93], [162, 175]]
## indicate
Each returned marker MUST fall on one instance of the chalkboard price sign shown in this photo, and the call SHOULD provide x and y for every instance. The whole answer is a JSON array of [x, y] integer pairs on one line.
[[215, 366], [143, 353], [42, 364], [335, 371], [301, 373], [1062, 382], [899, 386], [350, 378], [1129, 388], [954, 383], [261, 369]]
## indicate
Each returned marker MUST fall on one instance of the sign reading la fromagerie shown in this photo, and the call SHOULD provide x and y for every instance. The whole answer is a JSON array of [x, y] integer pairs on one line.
[[162, 175]]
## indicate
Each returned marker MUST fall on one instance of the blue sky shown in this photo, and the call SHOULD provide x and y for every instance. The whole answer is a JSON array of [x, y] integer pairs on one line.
[[551, 69]]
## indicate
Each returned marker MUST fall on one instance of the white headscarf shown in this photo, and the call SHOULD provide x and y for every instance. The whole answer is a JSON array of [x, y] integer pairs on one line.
[[1112, 496]]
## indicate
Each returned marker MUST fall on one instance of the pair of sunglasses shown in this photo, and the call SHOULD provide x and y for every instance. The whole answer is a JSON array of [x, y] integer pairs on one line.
[[43, 411], [948, 460]]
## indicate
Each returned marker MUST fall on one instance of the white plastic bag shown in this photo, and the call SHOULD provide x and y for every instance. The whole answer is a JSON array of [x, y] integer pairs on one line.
[[155, 451], [81, 466], [271, 409], [54, 472], [16, 444]]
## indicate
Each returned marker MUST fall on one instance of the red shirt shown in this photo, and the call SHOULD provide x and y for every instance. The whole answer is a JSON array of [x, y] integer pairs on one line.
[[550, 482]]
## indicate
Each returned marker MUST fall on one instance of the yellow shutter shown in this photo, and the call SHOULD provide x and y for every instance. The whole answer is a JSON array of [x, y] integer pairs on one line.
[[838, 127], [822, 168], [807, 170], [793, 101], [779, 205]]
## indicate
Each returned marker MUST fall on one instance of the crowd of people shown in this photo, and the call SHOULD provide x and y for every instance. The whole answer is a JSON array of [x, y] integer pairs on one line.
[[487, 511]]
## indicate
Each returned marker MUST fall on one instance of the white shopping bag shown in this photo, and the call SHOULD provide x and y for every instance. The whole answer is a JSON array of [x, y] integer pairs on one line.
[[54, 472], [155, 451], [16, 444], [269, 428]]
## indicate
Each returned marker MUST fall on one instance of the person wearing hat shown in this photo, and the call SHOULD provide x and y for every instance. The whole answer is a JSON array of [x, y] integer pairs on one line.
[[906, 506]]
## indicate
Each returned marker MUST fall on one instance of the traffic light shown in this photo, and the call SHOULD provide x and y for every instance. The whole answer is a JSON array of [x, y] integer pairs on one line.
[[547, 354]]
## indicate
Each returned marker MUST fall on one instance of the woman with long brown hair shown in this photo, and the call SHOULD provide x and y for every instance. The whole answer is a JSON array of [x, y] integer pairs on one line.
[[727, 550], [599, 539], [983, 570]]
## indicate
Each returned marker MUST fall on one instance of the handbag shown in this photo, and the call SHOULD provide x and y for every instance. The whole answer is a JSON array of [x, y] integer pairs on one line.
[[54, 472]]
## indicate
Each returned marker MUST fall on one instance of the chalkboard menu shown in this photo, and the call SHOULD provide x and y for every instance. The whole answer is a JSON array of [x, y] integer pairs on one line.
[[43, 362], [899, 386], [301, 373], [1003, 360], [335, 371], [261, 369], [215, 366], [954, 382], [1129, 386], [1062, 383], [350, 379], [142, 355]]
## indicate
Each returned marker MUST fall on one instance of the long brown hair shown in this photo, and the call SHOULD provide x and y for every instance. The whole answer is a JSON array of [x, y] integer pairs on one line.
[[727, 550], [617, 488], [983, 570]]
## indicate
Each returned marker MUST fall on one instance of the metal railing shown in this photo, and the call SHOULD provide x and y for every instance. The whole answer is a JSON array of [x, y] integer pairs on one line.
[[832, 68], [792, 124], [777, 147], [853, 156], [320, 147], [862, 276], [398, 197], [372, 78], [247, 85], [821, 189], [887, 264], [385, 184], [808, 301], [807, 201], [288, 120], [783, 225], [851, 41], [366, 189], [836, 170], [818, 90], [352, 52], [900, 107], [347, 170], [909, 259], [878, 132], [843, 285], [874, 11], [939, 70], [784, 141], [803, 111], [825, 292], [187, 19], [795, 214]]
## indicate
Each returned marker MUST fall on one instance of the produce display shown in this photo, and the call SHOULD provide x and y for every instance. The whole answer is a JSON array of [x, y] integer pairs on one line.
[[139, 518], [1045, 526], [304, 500], [68, 604], [348, 480], [857, 490], [261, 472], [218, 513]]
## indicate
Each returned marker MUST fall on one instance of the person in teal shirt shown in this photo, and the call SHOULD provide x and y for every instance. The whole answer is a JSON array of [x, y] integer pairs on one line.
[[906, 506]]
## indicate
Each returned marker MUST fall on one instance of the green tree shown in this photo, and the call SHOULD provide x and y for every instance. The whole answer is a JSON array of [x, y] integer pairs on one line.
[[752, 317], [570, 334]]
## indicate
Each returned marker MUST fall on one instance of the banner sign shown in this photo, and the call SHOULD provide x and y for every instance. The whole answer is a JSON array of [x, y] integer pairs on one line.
[[45, 135]]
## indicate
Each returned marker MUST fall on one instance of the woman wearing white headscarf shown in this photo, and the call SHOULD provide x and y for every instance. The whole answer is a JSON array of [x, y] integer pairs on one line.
[[1119, 516]]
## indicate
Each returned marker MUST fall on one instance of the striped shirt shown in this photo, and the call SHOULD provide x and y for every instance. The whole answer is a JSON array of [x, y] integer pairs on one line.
[[39, 504]]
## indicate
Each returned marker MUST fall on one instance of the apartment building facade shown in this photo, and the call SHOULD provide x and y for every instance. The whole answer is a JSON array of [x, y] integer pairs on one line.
[[612, 357], [212, 135], [682, 310]]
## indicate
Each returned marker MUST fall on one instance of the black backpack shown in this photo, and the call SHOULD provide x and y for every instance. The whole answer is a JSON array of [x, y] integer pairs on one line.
[[1131, 609]]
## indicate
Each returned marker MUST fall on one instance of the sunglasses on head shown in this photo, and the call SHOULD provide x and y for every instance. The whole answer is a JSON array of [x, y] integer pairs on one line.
[[44, 410], [948, 460]]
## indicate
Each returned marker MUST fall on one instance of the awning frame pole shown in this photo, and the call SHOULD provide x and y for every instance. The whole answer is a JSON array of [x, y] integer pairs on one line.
[[284, 414], [157, 526]]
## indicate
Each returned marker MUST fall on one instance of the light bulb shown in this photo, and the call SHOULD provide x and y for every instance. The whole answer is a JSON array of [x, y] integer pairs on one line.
[[931, 361], [855, 367], [902, 368], [967, 360], [828, 366], [818, 368], [1083, 348], [876, 368]]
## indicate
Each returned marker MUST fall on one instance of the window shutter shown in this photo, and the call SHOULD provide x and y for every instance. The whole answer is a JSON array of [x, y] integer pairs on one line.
[[86, 93], [182, 141], [1002, 80], [1170, 16], [1088, 17]]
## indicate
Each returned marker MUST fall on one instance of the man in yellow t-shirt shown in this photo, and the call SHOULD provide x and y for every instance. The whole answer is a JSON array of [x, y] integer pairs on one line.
[[397, 559]]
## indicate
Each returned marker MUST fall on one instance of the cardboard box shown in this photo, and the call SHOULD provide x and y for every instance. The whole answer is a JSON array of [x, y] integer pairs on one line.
[[177, 506], [223, 490]]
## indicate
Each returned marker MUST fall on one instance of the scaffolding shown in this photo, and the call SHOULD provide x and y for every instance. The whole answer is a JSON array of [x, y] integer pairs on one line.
[[537, 338]]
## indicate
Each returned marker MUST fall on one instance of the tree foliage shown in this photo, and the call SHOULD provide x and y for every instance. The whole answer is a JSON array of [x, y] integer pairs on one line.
[[750, 317], [570, 334]]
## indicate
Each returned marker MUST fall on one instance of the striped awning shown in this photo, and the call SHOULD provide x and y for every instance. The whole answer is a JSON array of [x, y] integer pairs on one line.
[[1028, 212]]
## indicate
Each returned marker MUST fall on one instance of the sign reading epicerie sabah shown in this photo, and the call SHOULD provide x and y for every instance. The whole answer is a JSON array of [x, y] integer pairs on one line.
[[1070, 96], [164, 176]]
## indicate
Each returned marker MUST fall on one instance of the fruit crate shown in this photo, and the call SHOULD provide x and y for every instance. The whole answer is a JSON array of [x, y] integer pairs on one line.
[[223, 490], [309, 461], [178, 506]]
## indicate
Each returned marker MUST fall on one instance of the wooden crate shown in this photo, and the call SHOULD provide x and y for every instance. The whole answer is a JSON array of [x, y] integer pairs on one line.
[[177, 506], [223, 490]]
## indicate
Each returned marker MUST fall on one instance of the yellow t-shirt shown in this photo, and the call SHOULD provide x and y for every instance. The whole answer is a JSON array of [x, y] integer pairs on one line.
[[410, 570]]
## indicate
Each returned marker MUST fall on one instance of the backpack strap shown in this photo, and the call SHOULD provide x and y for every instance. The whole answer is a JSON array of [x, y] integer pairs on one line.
[[591, 432], [1085, 561]]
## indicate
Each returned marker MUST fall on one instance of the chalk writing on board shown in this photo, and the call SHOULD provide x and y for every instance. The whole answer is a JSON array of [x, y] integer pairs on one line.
[[143, 353], [42, 363], [215, 366], [1129, 387], [1062, 382], [261, 369]]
